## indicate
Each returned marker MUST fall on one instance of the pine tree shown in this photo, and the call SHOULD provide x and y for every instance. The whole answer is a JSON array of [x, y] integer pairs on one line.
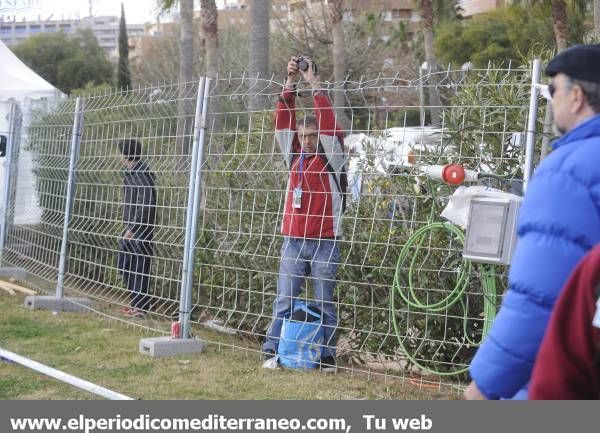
[[123, 74]]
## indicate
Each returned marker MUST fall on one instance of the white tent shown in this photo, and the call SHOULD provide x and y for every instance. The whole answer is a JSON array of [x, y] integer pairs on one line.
[[19, 84]]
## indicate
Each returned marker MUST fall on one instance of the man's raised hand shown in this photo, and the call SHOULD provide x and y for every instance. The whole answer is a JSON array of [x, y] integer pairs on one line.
[[292, 68]]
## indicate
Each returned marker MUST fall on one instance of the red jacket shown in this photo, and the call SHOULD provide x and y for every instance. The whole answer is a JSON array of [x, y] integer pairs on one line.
[[564, 367], [322, 196]]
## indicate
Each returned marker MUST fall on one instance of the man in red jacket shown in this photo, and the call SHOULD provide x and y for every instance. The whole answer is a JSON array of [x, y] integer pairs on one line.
[[312, 149], [568, 363]]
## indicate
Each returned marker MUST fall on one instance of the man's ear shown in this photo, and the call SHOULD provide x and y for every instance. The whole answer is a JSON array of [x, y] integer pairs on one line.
[[579, 100]]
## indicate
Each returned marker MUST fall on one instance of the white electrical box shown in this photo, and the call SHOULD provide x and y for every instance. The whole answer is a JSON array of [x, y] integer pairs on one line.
[[491, 232]]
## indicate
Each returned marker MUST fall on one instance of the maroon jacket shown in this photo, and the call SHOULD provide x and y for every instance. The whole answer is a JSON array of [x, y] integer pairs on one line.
[[320, 177], [565, 365]]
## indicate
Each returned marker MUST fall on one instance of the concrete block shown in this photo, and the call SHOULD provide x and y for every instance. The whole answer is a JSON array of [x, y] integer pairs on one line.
[[161, 347], [73, 305], [18, 273]]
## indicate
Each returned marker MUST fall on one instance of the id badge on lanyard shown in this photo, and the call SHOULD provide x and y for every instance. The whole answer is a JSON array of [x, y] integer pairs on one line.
[[297, 192]]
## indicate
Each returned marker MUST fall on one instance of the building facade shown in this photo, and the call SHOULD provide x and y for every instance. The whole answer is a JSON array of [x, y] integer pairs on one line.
[[391, 11], [105, 28], [476, 7], [236, 14]]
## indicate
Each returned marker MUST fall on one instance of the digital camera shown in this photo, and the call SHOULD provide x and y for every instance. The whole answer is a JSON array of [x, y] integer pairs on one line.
[[303, 64]]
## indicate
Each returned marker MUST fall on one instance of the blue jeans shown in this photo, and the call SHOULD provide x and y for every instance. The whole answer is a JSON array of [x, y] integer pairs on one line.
[[301, 258]]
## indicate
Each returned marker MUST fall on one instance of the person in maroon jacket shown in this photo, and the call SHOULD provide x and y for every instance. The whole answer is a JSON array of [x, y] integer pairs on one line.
[[313, 150], [567, 366]]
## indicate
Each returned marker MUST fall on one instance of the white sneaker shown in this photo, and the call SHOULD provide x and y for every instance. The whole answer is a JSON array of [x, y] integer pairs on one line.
[[271, 363]]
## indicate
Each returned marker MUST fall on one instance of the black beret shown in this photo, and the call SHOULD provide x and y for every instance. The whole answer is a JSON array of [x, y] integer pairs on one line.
[[581, 62]]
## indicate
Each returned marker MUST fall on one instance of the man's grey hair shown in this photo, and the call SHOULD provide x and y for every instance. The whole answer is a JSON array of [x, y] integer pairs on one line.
[[591, 92], [307, 121]]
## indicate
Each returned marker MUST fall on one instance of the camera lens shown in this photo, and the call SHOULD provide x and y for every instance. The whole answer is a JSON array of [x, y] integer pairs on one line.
[[303, 65]]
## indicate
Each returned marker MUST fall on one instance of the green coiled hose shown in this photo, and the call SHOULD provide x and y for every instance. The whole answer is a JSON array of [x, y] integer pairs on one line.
[[409, 295]]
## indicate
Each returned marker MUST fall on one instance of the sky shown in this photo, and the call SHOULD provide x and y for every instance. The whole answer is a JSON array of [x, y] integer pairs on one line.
[[136, 11]]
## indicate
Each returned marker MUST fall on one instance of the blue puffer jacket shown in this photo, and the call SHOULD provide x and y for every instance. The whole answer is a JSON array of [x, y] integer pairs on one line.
[[559, 222]]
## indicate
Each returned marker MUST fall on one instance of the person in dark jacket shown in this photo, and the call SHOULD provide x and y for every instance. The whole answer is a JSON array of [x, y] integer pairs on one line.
[[568, 364], [559, 222], [313, 151], [139, 217]]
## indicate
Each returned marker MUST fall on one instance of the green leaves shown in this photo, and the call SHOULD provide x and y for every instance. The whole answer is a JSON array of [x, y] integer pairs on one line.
[[499, 37], [66, 61]]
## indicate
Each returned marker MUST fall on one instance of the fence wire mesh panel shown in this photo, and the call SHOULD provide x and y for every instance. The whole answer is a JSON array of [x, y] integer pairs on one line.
[[128, 224], [404, 302], [38, 193], [407, 303]]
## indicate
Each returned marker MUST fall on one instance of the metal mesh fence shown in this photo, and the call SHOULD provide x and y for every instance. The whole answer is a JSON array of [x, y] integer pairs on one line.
[[37, 205], [407, 303], [155, 118], [434, 318]]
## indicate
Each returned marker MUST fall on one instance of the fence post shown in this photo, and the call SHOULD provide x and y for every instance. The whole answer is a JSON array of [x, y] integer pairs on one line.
[[75, 141], [194, 197], [531, 122], [183, 344], [58, 302], [9, 161]]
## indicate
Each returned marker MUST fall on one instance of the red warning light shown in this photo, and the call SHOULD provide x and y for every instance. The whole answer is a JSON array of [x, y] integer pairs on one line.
[[453, 174]]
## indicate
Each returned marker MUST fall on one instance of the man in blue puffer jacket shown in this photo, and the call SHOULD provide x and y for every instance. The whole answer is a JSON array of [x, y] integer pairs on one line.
[[559, 222]]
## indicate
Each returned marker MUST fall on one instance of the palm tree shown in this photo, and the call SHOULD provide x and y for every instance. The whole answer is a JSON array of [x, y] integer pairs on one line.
[[597, 19], [208, 18], [186, 46], [560, 23], [210, 32], [560, 20], [259, 37], [427, 16], [336, 12], [258, 66], [186, 73], [445, 10]]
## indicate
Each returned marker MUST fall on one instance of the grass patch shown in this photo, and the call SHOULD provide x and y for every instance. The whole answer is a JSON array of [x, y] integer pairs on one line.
[[23, 328], [106, 353], [12, 387]]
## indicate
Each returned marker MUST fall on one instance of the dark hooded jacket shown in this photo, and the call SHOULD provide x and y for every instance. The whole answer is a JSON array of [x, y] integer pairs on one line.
[[139, 201]]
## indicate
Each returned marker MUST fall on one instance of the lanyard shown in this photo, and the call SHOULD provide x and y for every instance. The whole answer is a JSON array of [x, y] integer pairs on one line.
[[300, 170]]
